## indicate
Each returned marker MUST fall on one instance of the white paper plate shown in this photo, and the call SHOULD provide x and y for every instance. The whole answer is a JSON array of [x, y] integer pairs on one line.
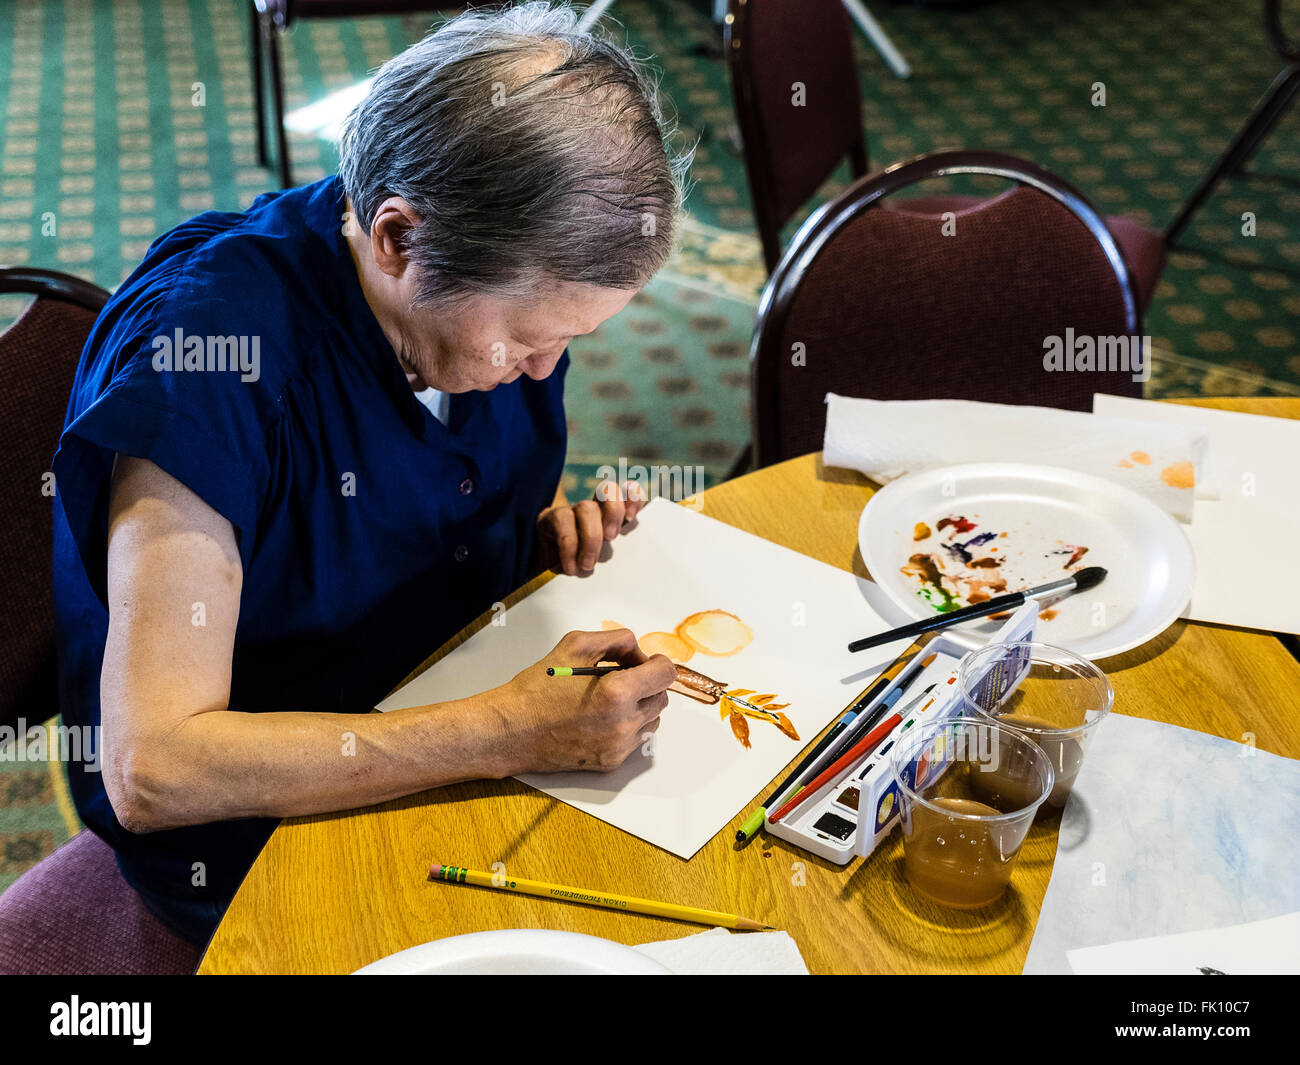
[[1042, 510], [522, 951]]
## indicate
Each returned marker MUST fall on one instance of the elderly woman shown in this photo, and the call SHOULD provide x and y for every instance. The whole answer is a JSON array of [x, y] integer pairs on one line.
[[309, 442]]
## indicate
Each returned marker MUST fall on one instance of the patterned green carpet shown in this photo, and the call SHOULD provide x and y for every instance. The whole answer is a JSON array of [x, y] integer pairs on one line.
[[120, 119], [36, 815]]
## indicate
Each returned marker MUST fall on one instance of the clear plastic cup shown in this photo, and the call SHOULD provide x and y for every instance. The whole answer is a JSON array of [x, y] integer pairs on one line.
[[1058, 703], [968, 792]]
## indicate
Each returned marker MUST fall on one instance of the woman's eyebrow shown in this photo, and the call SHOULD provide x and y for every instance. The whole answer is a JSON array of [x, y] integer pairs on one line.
[[552, 340]]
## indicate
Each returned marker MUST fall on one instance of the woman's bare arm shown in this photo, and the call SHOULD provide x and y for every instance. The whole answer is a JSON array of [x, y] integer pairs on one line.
[[175, 753]]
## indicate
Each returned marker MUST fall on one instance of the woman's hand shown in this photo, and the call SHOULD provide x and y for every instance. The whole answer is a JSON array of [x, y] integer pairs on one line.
[[554, 724], [569, 538]]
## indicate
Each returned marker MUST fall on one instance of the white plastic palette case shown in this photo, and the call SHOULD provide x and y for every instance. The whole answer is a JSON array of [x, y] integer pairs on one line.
[[830, 824]]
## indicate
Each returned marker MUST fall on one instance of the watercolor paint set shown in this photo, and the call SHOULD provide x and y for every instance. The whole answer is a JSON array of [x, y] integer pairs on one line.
[[831, 821]]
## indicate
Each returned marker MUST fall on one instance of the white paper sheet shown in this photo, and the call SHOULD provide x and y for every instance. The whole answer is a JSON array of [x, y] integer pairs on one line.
[[673, 564], [1259, 948], [1168, 831], [1254, 523]]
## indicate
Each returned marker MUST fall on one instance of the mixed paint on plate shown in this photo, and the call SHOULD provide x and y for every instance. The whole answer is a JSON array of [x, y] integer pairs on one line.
[[956, 562]]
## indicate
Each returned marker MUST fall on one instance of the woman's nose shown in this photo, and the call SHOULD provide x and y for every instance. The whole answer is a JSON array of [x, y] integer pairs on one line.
[[540, 365]]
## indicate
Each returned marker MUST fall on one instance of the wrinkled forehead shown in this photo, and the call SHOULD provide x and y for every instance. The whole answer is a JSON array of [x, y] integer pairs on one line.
[[569, 309], [554, 312]]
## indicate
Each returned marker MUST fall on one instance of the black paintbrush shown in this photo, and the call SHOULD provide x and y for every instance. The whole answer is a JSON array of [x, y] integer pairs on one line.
[[1076, 582]]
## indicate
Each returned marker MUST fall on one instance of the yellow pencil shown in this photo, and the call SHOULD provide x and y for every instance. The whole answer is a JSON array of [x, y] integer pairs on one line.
[[455, 875]]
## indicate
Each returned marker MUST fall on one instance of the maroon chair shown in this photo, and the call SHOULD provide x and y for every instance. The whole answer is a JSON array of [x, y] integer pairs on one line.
[[885, 305], [267, 20], [38, 357], [72, 912], [790, 151]]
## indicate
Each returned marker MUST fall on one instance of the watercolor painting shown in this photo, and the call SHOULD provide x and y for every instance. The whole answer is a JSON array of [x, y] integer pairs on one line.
[[965, 564], [717, 634], [663, 582]]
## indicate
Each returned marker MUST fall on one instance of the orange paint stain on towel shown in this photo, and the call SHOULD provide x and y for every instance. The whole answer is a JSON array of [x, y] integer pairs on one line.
[[1179, 475]]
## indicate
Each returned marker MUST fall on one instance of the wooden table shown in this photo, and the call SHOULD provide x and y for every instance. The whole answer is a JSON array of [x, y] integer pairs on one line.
[[332, 893]]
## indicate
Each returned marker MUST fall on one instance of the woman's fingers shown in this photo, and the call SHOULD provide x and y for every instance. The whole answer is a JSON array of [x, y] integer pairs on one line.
[[591, 534], [607, 645], [572, 537], [611, 508], [561, 532], [619, 504], [635, 496]]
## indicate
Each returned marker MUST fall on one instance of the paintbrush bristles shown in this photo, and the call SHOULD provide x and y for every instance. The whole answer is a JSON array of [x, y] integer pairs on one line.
[[1089, 578]]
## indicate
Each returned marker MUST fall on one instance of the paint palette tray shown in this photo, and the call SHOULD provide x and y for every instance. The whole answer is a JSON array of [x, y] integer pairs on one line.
[[830, 822]]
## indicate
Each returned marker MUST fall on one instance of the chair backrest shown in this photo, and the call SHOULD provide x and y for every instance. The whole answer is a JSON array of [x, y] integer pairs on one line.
[[38, 360], [899, 304], [795, 87]]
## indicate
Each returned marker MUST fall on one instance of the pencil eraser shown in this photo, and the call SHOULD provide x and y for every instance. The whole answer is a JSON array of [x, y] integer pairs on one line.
[[435, 870]]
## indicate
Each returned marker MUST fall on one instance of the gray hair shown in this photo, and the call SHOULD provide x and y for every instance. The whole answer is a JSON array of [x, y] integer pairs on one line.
[[532, 153]]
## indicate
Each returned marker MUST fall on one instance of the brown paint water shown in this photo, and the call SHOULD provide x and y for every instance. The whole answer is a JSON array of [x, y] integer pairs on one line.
[[1065, 752], [958, 862], [1003, 791]]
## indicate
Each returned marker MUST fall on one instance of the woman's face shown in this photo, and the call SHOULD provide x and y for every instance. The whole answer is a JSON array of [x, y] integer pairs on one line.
[[483, 341]]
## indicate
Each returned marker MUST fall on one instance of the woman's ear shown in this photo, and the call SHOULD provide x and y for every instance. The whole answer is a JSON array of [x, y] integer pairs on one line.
[[389, 230]]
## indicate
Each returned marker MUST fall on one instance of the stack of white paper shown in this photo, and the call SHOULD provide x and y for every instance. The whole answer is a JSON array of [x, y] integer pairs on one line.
[[1169, 831], [1244, 538], [1260, 948]]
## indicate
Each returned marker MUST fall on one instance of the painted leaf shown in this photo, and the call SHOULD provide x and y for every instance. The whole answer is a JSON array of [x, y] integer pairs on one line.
[[740, 729], [763, 700], [739, 692], [785, 725]]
